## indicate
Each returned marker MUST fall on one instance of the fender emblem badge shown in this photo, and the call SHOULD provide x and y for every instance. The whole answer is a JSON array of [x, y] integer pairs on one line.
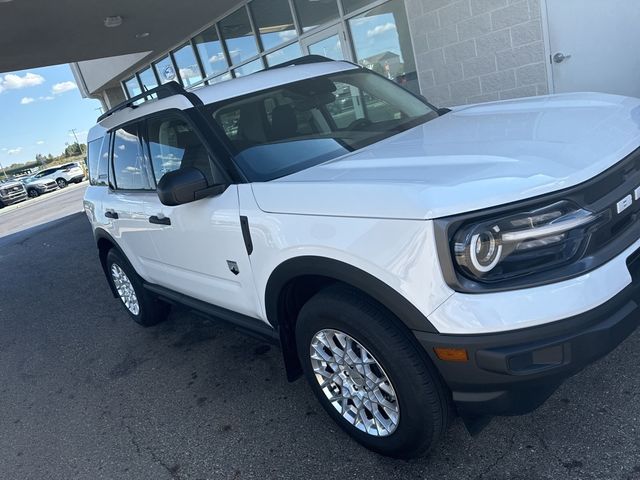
[[233, 266]]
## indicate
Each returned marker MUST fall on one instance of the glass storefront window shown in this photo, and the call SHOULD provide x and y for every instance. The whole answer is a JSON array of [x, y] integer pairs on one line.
[[238, 35], [274, 22], [148, 79], [312, 13], [382, 43], [284, 54], [249, 68], [220, 78], [164, 69], [187, 65], [133, 87], [209, 48], [329, 47], [352, 5]]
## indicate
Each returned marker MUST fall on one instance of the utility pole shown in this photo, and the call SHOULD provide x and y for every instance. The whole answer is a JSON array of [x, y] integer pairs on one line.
[[73, 130], [3, 171]]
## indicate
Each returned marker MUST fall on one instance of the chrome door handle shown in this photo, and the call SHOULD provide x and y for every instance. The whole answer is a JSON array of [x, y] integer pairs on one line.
[[560, 57]]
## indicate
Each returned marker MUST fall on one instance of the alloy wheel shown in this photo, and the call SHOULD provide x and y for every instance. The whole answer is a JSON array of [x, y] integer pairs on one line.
[[354, 382], [125, 289]]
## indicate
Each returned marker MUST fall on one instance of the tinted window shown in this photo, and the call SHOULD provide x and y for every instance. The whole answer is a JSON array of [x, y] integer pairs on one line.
[[238, 35], [286, 129], [173, 144], [312, 13], [210, 50], [93, 159], [187, 65], [274, 21], [128, 160]]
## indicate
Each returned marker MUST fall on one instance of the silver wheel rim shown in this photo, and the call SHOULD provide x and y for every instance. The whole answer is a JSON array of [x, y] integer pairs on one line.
[[125, 289], [354, 382]]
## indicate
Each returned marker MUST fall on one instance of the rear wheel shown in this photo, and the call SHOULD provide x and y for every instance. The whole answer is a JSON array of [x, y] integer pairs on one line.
[[142, 306], [61, 182], [369, 376]]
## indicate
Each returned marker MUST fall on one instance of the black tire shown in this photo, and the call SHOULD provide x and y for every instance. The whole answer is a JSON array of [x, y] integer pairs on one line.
[[33, 193], [1, 204], [424, 401], [61, 182], [151, 310]]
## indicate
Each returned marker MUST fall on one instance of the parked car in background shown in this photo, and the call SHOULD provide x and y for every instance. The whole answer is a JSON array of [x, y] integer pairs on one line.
[[38, 186], [63, 174], [11, 192]]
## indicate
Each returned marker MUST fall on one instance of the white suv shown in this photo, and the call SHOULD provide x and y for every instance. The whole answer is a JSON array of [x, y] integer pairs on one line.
[[412, 263], [62, 174]]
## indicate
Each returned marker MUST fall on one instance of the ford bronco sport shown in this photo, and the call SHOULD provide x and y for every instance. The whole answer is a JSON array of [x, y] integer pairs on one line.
[[413, 263]]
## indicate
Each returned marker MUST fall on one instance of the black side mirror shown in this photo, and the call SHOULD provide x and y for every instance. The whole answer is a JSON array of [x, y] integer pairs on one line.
[[185, 185]]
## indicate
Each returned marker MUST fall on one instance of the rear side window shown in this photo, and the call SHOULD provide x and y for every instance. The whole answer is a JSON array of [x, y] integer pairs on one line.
[[129, 165], [174, 144], [98, 160]]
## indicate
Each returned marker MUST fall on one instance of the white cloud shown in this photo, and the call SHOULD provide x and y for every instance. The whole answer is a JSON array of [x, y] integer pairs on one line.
[[27, 100], [287, 35], [14, 151], [40, 142], [379, 29], [12, 81], [62, 87], [47, 98]]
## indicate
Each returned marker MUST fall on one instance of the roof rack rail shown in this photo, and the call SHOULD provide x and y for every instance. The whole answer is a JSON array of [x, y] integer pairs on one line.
[[162, 91], [307, 59]]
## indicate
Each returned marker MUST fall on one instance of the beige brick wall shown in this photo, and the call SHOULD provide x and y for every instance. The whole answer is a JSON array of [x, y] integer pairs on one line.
[[470, 51]]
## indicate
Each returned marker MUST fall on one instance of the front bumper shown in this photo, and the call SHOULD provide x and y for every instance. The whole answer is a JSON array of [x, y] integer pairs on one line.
[[511, 373], [12, 198]]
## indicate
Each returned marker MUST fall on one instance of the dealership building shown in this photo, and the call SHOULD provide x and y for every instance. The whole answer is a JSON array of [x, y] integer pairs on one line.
[[451, 51]]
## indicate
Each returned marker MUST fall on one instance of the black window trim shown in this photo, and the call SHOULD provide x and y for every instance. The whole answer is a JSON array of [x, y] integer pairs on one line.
[[209, 133]]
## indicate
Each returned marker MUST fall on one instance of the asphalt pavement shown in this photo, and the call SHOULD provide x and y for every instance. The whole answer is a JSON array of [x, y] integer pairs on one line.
[[87, 394]]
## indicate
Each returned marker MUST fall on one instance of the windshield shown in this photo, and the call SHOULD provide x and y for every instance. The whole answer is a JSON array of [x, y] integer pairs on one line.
[[286, 129]]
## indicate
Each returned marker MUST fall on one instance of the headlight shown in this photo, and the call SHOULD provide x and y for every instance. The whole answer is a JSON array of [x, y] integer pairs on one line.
[[522, 243]]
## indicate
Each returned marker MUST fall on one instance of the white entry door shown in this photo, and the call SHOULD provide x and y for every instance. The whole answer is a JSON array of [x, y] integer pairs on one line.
[[595, 45]]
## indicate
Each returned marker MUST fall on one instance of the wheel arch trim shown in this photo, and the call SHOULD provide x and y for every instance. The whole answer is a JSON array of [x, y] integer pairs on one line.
[[339, 271]]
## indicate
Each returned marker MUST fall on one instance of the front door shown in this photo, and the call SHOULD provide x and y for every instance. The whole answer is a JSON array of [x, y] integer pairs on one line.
[[199, 247], [593, 46], [330, 43]]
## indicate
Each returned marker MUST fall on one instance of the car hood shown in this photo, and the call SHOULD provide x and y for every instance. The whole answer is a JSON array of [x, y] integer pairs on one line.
[[474, 157], [7, 185]]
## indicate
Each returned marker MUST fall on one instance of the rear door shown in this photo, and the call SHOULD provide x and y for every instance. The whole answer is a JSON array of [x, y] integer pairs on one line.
[[199, 246]]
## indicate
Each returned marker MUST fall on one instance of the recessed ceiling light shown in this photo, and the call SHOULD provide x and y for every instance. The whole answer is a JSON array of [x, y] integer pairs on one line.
[[114, 21], [142, 35]]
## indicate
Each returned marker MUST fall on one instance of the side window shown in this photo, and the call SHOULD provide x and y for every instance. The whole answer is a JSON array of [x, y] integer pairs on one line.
[[173, 144], [98, 161], [128, 160]]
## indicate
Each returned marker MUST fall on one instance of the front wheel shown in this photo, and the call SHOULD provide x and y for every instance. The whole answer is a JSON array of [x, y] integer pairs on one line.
[[368, 375], [142, 306], [33, 193], [61, 182]]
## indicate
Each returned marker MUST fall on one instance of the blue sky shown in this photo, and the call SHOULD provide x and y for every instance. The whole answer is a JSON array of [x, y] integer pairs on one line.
[[38, 109]]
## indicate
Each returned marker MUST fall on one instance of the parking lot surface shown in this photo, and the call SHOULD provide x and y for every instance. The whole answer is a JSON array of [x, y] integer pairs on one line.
[[87, 394]]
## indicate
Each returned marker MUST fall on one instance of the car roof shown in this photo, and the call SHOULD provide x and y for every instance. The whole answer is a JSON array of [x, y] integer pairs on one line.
[[229, 89]]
